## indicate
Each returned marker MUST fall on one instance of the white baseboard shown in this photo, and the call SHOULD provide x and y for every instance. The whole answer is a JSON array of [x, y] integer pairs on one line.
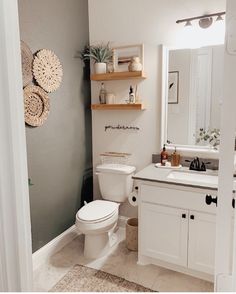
[[42, 255]]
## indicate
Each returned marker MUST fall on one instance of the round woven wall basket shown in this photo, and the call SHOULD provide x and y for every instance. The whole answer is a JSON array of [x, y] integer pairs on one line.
[[47, 70], [26, 63], [37, 105]]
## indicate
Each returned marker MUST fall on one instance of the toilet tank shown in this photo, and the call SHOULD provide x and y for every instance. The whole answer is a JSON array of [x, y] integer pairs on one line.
[[115, 181]]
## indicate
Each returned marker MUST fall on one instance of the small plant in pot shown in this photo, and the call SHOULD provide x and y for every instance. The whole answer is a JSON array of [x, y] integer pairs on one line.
[[101, 55]]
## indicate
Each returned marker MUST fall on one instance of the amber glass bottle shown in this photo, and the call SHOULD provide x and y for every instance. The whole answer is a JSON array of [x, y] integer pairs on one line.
[[164, 156], [175, 158]]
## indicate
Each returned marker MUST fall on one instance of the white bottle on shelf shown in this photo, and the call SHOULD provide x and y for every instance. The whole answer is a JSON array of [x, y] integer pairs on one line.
[[131, 95]]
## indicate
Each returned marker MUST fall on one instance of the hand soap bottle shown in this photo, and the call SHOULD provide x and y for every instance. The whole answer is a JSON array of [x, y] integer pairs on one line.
[[175, 158], [164, 156]]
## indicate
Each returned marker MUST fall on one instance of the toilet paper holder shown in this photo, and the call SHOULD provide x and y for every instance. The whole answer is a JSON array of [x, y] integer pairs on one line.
[[135, 189], [133, 197]]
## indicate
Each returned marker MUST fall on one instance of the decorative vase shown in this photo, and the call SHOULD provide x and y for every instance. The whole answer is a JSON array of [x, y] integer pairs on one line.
[[135, 64], [100, 67]]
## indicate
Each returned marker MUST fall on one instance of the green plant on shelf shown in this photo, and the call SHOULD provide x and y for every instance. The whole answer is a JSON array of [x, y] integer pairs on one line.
[[99, 53]]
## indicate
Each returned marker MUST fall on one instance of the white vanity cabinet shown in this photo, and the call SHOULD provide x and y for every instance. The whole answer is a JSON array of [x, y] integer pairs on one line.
[[201, 241], [164, 233], [177, 228]]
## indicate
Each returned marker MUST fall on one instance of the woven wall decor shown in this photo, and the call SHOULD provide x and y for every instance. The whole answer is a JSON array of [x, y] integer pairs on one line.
[[47, 70], [37, 105], [26, 63]]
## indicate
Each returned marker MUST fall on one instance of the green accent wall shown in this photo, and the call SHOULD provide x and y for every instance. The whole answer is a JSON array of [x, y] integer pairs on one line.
[[59, 152]]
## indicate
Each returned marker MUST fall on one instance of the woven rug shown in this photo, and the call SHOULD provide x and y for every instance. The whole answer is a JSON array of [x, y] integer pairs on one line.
[[85, 279]]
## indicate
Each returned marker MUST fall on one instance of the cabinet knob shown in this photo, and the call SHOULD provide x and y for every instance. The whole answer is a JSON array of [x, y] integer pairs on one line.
[[184, 215], [191, 216], [233, 203], [209, 199]]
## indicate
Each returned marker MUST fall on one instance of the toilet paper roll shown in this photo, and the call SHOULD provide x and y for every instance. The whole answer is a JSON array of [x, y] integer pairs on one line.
[[133, 198]]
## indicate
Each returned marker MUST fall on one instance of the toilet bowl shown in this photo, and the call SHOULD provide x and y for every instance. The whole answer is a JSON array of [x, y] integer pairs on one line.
[[98, 219]]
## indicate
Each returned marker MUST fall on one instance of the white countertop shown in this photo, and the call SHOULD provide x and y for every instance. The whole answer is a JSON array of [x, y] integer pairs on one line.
[[159, 174]]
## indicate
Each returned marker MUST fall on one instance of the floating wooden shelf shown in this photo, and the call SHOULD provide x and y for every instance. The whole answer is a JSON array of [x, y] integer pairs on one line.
[[126, 75], [117, 106]]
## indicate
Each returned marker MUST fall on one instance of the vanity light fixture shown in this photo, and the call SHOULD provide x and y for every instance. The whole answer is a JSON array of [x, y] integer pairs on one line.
[[205, 21]]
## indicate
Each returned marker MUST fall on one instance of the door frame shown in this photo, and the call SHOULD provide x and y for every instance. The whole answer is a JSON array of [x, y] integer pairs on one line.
[[15, 227], [224, 276]]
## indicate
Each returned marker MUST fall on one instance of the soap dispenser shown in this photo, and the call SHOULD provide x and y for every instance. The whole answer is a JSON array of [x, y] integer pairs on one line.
[[164, 156], [175, 158]]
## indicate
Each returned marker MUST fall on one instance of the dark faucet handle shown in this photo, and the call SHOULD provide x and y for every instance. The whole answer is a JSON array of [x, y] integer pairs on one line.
[[203, 167], [187, 160]]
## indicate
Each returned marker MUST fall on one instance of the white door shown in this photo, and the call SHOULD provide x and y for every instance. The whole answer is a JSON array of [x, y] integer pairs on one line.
[[201, 250], [15, 231], [224, 276], [164, 233]]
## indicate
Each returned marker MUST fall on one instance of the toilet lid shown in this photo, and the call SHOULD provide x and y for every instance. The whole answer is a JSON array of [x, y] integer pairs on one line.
[[115, 168], [97, 210]]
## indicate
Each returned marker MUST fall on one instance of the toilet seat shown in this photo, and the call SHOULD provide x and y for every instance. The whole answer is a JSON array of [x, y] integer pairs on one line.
[[97, 211]]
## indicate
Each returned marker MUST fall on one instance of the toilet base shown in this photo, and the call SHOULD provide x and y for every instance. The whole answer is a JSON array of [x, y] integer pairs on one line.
[[98, 245]]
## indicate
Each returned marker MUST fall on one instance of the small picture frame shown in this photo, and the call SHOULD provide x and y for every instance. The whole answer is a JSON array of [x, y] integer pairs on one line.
[[122, 56], [173, 87]]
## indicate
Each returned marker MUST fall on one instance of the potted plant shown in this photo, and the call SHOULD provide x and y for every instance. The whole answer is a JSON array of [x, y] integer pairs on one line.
[[101, 55]]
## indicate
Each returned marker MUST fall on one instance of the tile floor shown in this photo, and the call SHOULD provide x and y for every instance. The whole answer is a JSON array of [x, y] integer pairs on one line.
[[120, 262]]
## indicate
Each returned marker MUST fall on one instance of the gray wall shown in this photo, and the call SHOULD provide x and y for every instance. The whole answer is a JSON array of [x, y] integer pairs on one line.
[[59, 152]]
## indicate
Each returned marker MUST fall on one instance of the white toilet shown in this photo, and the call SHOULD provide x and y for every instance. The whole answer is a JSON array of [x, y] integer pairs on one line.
[[98, 219]]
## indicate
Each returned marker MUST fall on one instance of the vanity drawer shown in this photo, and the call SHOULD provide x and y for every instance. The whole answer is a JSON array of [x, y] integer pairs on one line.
[[176, 197]]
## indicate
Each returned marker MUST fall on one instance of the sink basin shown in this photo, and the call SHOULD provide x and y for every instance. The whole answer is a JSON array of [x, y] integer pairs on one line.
[[195, 178]]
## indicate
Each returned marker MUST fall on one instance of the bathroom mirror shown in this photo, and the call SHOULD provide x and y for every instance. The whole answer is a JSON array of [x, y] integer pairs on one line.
[[192, 96]]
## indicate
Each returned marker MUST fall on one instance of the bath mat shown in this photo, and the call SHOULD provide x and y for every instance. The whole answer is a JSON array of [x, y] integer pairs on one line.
[[85, 279]]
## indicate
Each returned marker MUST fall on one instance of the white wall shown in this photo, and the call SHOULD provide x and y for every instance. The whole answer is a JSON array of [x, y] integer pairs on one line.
[[152, 22]]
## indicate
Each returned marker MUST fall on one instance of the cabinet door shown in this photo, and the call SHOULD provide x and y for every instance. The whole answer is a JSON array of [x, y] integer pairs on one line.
[[202, 232], [164, 233]]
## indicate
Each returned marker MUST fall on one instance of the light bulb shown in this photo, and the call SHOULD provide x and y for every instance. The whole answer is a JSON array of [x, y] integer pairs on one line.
[[219, 17], [205, 22], [188, 23]]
